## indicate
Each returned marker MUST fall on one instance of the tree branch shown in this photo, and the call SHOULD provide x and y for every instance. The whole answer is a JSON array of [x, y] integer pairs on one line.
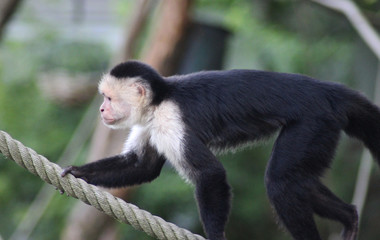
[[7, 9], [358, 21]]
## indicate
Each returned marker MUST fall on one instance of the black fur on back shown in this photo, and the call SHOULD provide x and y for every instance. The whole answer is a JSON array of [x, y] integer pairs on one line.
[[230, 108]]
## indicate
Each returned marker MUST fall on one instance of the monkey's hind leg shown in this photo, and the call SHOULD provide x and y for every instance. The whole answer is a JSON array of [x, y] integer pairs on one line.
[[301, 153], [292, 204]]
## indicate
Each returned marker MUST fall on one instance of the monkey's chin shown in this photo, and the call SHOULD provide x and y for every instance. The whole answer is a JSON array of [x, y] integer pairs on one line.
[[112, 125]]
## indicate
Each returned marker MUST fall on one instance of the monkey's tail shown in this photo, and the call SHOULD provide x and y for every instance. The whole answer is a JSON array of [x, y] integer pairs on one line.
[[364, 123]]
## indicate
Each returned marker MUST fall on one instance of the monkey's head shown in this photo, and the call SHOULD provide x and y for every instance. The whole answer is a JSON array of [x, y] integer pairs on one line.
[[127, 92]]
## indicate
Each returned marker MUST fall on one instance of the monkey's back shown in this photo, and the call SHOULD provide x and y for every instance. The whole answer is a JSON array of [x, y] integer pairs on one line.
[[232, 107]]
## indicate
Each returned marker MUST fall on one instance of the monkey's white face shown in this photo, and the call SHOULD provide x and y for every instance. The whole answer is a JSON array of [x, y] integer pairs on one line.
[[122, 102], [114, 111]]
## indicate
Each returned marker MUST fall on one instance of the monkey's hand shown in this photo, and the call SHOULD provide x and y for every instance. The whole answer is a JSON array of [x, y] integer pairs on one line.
[[75, 171]]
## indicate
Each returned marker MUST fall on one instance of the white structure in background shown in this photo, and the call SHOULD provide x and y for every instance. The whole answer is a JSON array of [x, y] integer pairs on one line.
[[99, 20]]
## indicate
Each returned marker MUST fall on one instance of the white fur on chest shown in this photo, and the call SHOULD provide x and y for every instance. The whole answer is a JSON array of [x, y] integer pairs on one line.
[[165, 132], [137, 139]]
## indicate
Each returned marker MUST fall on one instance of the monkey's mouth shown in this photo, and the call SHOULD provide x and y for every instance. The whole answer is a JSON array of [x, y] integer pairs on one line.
[[109, 120]]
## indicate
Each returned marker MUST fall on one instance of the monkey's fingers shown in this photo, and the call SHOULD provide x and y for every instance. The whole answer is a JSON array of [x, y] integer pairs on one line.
[[75, 172], [66, 171]]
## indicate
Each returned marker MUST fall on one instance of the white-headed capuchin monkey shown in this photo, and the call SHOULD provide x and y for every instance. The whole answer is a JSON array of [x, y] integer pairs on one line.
[[183, 119]]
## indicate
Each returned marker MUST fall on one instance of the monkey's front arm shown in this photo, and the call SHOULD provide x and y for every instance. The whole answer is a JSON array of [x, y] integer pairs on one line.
[[119, 171]]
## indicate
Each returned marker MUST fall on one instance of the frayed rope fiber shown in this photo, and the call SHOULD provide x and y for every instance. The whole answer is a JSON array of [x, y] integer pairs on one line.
[[90, 194]]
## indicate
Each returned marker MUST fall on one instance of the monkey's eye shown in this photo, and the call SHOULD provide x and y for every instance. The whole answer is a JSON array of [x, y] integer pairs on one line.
[[109, 99]]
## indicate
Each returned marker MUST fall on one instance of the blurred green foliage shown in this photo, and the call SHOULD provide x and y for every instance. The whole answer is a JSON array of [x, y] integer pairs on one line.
[[286, 35]]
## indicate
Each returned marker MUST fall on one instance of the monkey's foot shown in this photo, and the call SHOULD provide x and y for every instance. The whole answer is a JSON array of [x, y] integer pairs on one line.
[[351, 233]]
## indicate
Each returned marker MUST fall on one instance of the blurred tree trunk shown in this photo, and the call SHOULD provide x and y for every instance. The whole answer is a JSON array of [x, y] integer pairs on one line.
[[86, 222], [162, 51], [7, 9]]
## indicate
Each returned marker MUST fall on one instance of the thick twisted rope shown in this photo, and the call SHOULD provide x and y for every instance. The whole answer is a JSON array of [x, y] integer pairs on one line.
[[101, 200]]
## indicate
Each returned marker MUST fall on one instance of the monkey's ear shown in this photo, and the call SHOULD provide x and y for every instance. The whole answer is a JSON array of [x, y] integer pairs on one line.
[[141, 89]]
